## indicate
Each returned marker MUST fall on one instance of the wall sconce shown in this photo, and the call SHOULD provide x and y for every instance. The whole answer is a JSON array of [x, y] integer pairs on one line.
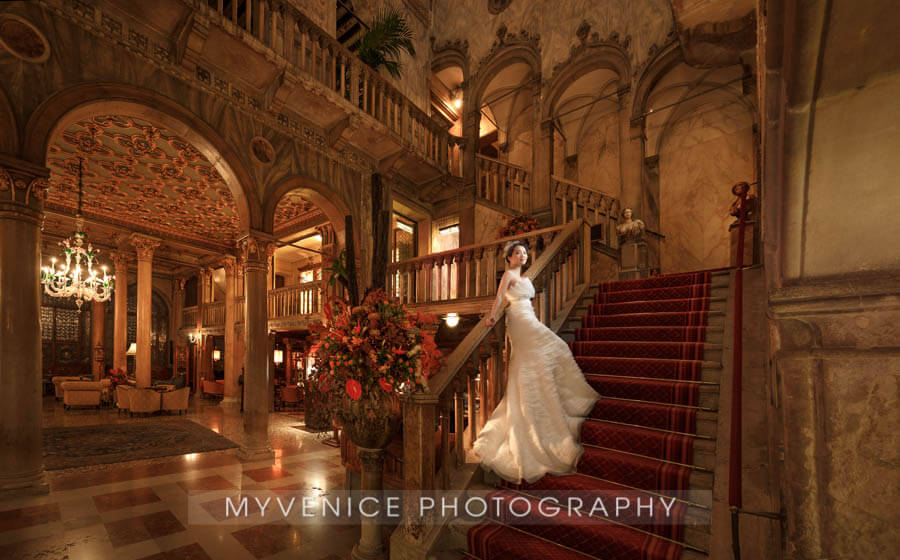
[[192, 338], [299, 365], [278, 356], [452, 319], [217, 355], [132, 350]]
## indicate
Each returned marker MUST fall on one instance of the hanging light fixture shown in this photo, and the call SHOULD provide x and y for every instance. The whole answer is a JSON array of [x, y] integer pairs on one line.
[[77, 279]]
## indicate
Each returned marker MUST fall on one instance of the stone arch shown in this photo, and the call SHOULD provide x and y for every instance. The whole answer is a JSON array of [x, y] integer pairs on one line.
[[662, 64], [316, 192], [449, 57], [689, 105], [605, 56], [9, 140], [526, 53], [87, 100]]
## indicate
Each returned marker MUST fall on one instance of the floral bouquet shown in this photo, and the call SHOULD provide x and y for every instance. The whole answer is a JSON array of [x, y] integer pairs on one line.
[[377, 346], [517, 225], [117, 376]]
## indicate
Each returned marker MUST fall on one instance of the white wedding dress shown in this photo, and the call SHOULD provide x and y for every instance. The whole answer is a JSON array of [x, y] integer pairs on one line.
[[536, 427]]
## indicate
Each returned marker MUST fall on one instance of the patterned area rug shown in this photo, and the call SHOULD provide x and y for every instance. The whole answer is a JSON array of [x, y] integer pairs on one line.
[[102, 444]]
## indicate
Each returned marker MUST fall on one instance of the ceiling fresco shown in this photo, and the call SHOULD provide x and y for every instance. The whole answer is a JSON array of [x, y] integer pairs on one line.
[[294, 209], [138, 174]]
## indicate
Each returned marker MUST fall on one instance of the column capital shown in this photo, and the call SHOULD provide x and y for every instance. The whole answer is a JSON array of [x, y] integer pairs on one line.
[[256, 247], [119, 259], [23, 187], [229, 264], [179, 283], [206, 272], [144, 245]]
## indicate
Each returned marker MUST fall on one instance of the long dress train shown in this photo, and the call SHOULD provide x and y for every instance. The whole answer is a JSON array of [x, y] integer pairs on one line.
[[536, 427]]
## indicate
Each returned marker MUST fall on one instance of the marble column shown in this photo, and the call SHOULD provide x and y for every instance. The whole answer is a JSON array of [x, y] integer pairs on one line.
[[98, 326], [120, 319], [178, 312], [144, 246], [631, 154], [22, 187], [542, 158], [232, 389], [255, 247]]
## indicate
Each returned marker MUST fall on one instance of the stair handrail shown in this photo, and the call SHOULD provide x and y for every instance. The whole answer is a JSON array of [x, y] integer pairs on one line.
[[735, 482]]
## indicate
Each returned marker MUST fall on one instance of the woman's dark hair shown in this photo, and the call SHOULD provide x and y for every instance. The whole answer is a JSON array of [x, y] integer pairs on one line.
[[511, 246]]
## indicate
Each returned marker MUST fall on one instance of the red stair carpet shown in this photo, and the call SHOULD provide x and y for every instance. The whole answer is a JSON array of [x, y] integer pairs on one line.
[[641, 347]]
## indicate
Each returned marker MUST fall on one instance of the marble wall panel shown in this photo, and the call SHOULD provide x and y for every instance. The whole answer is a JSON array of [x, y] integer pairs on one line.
[[598, 155], [701, 156], [488, 222]]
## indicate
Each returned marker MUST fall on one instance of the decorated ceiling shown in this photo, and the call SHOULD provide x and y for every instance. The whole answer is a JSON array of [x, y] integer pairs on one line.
[[138, 174], [294, 209]]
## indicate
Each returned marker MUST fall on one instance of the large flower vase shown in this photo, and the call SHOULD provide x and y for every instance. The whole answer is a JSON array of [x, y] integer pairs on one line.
[[370, 422]]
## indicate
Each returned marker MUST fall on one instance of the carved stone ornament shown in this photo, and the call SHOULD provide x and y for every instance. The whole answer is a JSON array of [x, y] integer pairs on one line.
[[22, 39], [257, 249], [497, 6], [262, 150]]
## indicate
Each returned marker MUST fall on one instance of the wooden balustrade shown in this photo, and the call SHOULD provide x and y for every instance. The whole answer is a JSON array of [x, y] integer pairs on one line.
[[461, 397], [467, 272], [504, 184], [214, 314], [298, 40], [304, 299], [572, 201], [189, 317]]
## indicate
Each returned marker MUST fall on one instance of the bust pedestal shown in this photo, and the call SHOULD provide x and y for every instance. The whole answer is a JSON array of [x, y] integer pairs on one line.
[[633, 260]]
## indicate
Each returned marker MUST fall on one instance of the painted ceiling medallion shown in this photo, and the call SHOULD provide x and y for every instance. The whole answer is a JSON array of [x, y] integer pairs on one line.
[[22, 39], [262, 150], [137, 174]]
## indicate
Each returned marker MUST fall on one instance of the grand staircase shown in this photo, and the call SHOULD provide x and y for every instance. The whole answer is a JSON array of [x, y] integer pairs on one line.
[[652, 348]]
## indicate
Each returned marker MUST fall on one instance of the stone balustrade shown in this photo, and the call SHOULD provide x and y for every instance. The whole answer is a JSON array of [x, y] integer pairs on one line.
[[503, 184]]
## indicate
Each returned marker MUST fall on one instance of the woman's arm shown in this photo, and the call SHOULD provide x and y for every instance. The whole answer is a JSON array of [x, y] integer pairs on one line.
[[498, 303]]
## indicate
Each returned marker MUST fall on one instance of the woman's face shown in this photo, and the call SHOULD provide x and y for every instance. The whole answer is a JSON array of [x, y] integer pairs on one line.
[[519, 257], [627, 213]]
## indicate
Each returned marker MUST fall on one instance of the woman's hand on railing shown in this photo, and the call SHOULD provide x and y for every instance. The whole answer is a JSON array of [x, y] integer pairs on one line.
[[490, 321]]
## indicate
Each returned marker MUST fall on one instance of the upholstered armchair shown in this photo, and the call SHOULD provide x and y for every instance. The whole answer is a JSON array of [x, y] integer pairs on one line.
[[144, 401], [290, 396], [123, 397], [59, 380], [81, 393], [176, 400]]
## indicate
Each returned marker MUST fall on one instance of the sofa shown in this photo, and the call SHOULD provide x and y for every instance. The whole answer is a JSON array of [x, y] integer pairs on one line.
[[59, 380], [82, 393], [176, 401]]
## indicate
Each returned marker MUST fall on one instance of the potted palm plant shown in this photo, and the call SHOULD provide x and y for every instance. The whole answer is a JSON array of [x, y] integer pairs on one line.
[[387, 38]]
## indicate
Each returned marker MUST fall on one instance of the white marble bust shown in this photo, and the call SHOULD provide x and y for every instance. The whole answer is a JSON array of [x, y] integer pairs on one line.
[[630, 229]]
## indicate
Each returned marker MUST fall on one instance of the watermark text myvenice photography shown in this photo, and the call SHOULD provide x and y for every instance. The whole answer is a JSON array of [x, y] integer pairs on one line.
[[523, 507]]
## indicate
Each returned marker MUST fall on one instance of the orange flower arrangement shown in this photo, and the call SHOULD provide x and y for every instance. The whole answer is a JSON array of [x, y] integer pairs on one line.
[[377, 346]]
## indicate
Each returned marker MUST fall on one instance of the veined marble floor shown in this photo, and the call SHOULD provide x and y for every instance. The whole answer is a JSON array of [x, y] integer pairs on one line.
[[139, 509]]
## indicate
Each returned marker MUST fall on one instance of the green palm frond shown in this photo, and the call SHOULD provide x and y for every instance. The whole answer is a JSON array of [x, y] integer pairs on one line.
[[388, 37]]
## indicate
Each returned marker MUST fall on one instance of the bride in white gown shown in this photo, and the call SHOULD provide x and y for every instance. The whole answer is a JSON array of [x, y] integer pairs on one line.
[[536, 427]]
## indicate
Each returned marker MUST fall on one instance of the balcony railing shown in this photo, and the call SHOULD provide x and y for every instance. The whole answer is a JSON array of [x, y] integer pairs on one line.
[[214, 314], [503, 183], [305, 299], [467, 272], [293, 301], [289, 34], [572, 201]]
